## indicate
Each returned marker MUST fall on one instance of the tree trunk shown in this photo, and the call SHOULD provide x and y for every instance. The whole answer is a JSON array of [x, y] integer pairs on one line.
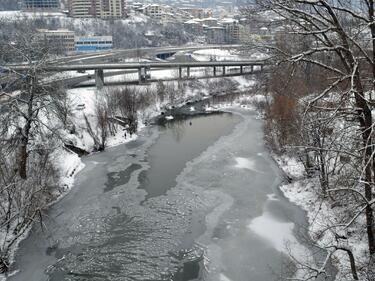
[[365, 121], [22, 161], [353, 266]]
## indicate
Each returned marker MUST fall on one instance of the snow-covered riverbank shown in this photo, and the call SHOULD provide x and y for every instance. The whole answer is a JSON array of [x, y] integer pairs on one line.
[[305, 192]]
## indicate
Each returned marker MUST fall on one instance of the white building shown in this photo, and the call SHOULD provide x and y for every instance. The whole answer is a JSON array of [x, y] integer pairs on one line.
[[59, 40], [93, 43]]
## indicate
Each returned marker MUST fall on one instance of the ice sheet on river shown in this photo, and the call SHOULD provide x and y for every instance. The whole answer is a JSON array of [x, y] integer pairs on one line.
[[120, 236]]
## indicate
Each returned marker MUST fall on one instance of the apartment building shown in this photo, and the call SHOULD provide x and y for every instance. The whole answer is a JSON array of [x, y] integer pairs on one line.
[[104, 9], [83, 8], [41, 5], [194, 26], [112, 9], [215, 34], [155, 11], [199, 13], [232, 30]]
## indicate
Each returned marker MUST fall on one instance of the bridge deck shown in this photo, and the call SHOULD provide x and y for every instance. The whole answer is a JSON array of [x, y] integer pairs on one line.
[[138, 65]]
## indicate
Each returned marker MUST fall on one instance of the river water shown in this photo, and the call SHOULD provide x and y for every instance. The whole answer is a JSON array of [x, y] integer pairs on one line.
[[194, 199]]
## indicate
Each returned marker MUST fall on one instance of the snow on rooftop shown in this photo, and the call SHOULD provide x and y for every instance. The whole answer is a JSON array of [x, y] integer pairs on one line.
[[192, 21], [228, 20], [210, 18], [215, 27], [61, 30]]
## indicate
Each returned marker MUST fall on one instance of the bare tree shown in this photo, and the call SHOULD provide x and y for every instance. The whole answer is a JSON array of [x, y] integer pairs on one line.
[[103, 122], [28, 135], [160, 90], [61, 105]]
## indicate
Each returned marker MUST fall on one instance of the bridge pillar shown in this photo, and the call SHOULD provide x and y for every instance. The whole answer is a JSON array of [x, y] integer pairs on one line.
[[252, 69], [180, 72], [223, 70], [140, 75], [214, 70], [147, 72], [99, 78], [144, 74], [241, 69], [188, 71]]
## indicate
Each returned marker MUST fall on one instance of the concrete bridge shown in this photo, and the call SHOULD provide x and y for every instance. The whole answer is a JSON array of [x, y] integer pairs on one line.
[[144, 68]]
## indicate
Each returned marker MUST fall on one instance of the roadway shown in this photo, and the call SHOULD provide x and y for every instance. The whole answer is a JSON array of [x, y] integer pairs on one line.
[[120, 54], [74, 81]]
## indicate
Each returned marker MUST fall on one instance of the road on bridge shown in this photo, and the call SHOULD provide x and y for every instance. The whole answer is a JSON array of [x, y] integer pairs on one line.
[[118, 54]]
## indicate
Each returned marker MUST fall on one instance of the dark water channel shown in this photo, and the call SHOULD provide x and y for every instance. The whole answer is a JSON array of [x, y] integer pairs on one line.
[[195, 199]]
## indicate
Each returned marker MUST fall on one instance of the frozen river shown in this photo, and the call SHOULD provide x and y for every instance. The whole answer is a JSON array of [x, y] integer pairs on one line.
[[204, 186]]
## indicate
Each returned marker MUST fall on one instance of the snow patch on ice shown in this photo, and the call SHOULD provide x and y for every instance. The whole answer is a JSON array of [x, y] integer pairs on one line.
[[244, 163], [272, 197], [169, 117], [224, 278], [278, 233]]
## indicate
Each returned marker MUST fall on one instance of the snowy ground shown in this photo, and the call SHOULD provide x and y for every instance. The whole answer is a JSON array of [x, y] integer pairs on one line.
[[13, 15], [224, 55], [304, 193], [215, 54]]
